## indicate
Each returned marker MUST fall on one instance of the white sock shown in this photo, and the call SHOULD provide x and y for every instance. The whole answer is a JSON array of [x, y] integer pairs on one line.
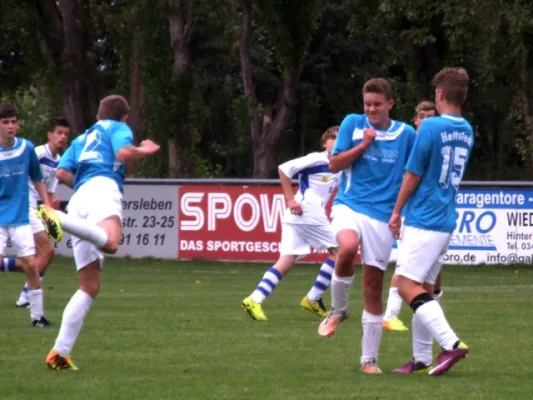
[[340, 290], [372, 330], [433, 318], [270, 281], [73, 317], [24, 293], [422, 341], [322, 280], [35, 297], [83, 229], [394, 304]]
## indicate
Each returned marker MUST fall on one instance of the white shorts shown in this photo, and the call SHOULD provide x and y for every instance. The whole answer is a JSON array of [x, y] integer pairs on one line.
[[297, 239], [94, 201], [420, 254], [21, 238], [375, 236], [35, 222]]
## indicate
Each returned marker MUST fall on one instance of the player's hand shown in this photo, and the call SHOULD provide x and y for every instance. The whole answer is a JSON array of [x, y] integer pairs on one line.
[[369, 135], [55, 203], [295, 207], [149, 146], [395, 225]]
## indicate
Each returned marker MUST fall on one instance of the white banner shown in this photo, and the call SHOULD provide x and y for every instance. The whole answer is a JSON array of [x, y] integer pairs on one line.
[[150, 226], [494, 226]]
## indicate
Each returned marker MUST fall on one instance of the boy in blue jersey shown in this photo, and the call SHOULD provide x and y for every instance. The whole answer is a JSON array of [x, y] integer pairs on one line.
[[391, 322], [93, 166], [18, 164], [371, 150], [433, 173]]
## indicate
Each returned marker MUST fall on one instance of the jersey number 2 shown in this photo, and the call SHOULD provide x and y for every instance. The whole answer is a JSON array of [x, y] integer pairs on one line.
[[89, 151], [453, 166]]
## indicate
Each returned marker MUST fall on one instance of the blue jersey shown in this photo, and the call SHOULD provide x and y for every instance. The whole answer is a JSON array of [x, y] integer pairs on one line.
[[371, 184], [93, 153], [17, 164], [440, 155]]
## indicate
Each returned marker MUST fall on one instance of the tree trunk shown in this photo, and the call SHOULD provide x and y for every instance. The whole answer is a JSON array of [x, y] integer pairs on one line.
[[66, 45], [266, 128], [527, 85], [183, 83]]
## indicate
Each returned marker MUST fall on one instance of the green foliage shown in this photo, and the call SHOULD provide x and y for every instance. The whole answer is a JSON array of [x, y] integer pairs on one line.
[[34, 108]]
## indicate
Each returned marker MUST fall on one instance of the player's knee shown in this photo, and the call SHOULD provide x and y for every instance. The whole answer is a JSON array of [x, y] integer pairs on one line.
[[372, 292], [110, 247]]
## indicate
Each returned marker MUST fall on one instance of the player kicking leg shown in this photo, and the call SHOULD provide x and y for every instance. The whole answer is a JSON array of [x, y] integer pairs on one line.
[[96, 157], [433, 174], [391, 322], [304, 225], [371, 150]]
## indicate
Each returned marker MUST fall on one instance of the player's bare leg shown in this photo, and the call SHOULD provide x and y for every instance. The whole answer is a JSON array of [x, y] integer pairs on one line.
[[437, 289], [341, 281], [270, 280]]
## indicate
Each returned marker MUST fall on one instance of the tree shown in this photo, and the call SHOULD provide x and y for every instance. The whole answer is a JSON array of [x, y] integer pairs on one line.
[[289, 26]]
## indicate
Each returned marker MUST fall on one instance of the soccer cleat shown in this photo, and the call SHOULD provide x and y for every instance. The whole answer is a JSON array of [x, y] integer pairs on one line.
[[329, 324], [370, 368], [254, 309], [412, 367], [394, 324], [447, 359], [22, 304], [56, 361], [51, 223], [41, 323], [315, 306]]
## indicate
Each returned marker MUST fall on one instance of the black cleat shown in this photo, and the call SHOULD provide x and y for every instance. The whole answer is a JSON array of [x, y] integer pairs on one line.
[[41, 323]]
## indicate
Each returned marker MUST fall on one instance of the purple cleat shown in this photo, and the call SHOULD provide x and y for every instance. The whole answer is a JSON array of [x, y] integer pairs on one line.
[[412, 367], [447, 359]]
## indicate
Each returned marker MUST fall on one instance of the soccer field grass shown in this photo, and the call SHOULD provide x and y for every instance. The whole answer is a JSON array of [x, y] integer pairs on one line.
[[175, 330]]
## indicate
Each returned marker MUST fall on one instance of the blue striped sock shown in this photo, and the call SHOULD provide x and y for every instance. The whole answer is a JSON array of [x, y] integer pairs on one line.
[[322, 280], [270, 280], [7, 264]]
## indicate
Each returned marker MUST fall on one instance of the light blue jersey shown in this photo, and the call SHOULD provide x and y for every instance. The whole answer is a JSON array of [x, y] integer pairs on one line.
[[93, 153], [371, 184], [17, 164], [440, 155]]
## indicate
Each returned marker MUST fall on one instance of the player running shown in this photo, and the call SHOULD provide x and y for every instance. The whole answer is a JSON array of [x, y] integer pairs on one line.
[[371, 150], [18, 164], [304, 225], [433, 173], [391, 322], [93, 166], [49, 156]]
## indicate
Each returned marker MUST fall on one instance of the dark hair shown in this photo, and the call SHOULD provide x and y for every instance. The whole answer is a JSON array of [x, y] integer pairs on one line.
[[57, 121], [378, 85], [454, 84], [113, 107], [8, 111]]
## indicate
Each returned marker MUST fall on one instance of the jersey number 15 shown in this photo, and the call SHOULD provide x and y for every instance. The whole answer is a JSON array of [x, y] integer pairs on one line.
[[453, 166]]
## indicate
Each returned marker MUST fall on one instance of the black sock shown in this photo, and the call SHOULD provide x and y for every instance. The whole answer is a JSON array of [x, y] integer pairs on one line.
[[421, 299]]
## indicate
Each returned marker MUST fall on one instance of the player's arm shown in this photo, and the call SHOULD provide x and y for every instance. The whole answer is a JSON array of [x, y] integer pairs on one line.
[[132, 153], [287, 171], [343, 154], [37, 178], [65, 176], [415, 168], [67, 166]]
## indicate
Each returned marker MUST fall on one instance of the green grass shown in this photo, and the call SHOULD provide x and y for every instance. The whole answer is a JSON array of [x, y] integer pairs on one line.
[[171, 330]]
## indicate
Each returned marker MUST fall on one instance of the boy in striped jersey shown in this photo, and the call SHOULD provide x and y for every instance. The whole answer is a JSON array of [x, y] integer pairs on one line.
[[304, 225]]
